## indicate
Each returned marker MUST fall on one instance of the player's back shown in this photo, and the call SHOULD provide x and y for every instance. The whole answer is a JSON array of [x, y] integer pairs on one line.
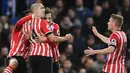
[[18, 41], [19, 44], [115, 60]]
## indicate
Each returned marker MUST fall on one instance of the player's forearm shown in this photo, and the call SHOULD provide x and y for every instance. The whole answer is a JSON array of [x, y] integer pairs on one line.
[[103, 38], [57, 39], [104, 51]]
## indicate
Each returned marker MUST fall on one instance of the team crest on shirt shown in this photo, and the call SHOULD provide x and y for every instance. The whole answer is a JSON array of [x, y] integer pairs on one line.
[[28, 24], [51, 27], [58, 32], [113, 42]]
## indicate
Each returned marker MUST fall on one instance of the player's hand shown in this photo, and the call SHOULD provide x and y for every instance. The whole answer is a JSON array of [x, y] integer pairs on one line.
[[89, 51], [41, 39], [95, 30], [28, 34], [69, 37]]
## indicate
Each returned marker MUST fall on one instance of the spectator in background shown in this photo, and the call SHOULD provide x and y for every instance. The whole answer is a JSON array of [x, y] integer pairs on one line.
[[91, 41], [82, 70], [99, 63], [65, 25], [60, 11], [61, 70], [4, 20], [3, 56], [69, 51], [97, 18], [1, 29], [4, 31], [10, 9], [114, 7], [81, 12], [1, 69], [73, 18], [128, 45], [62, 58], [71, 56], [128, 66], [125, 11], [89, 65], [67, 67], [106, 12], [79, 41], [87, 27]]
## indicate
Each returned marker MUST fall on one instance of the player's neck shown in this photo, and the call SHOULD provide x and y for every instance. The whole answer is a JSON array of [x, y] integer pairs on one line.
[[116, 29]]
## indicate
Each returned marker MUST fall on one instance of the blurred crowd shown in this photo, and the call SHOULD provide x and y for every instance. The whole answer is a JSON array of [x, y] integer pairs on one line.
[[73, 16]]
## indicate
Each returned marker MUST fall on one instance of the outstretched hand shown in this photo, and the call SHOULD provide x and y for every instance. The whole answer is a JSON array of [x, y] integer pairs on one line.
[[89, 51]]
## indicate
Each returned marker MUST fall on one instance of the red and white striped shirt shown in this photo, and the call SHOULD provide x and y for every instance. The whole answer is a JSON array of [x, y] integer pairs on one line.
[[19, 44], [55, 46], [115, 60], [42, 49]]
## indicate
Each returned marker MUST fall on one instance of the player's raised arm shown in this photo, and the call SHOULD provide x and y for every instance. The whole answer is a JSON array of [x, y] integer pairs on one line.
[[100, 36], [23, 20]]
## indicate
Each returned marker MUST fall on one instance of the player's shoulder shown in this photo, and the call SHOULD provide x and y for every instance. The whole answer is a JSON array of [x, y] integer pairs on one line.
[[117, 34], [43, 20], [55, 24]]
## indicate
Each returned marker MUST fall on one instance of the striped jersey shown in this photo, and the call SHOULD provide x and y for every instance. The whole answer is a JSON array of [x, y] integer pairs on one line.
[[38, 27], [55, 46], [19, 44], [115, 60]]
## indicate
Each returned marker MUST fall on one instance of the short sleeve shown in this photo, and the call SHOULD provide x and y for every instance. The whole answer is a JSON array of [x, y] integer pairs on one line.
[[113, 40], [56, 29], [45, 27]]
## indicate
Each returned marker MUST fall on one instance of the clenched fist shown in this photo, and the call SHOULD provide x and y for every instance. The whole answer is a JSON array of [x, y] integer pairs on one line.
[[69, 37]]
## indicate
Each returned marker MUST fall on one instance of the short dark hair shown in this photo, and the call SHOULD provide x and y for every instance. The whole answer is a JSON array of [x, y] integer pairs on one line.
[[26, 12], [48, 10], [118, 18]]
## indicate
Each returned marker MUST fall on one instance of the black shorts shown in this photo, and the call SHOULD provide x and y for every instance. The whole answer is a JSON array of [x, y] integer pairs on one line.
[[56, 67], [41, 64], [22, 66], [103, 72]]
